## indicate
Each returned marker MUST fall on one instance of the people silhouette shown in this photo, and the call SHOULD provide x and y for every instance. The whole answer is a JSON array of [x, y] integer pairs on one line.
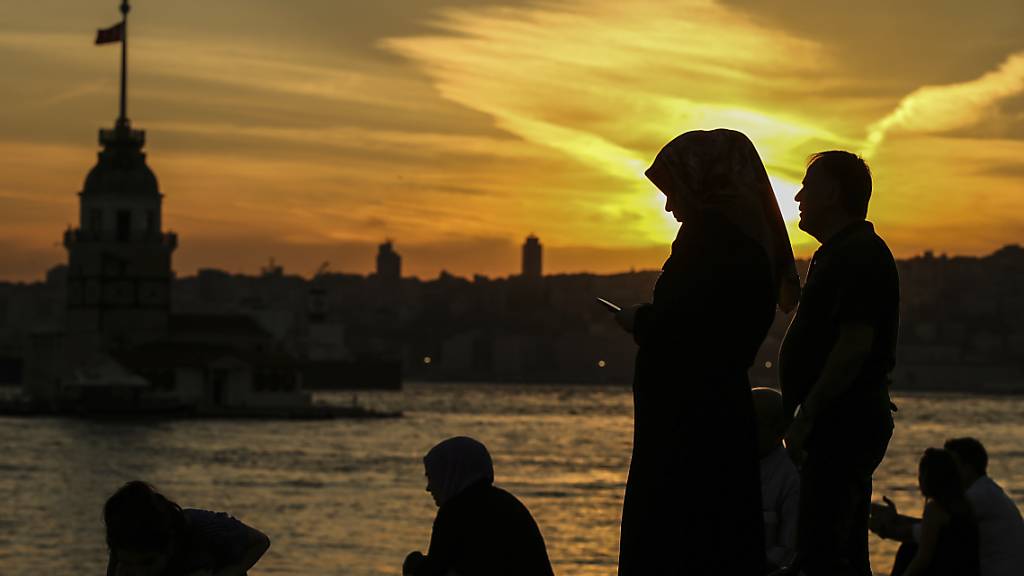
[[834, 365], [480, 529], [149, 535], [693, 498], [948, 541], [1000, 526]]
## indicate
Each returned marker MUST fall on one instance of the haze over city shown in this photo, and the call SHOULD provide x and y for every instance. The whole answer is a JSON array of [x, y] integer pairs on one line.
[[311, 131]]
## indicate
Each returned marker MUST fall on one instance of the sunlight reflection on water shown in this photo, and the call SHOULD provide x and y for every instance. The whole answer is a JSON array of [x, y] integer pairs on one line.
[[346, 497]]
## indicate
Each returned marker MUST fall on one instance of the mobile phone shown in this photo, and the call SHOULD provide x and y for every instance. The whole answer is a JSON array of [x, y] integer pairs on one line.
[[611, 307]]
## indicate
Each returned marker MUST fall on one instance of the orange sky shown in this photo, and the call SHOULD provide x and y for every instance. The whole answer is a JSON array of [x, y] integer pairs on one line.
[[312, 130]]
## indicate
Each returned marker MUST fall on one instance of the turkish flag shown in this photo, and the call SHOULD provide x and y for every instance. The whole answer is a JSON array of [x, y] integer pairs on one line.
[[113, 34]]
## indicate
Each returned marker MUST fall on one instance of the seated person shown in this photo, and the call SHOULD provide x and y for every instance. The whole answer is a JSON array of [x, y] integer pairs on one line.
[[1000, 526], [948, 541], [480, 529], [148, 535], [780, 480]]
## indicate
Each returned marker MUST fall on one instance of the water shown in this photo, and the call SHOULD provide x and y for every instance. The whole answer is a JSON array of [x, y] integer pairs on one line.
[[346, 497]]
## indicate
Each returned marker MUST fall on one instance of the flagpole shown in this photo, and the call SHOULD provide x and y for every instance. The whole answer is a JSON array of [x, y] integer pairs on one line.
[[122, 120]]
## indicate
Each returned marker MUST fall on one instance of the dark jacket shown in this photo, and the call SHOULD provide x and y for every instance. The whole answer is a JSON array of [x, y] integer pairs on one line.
[[485, 531]]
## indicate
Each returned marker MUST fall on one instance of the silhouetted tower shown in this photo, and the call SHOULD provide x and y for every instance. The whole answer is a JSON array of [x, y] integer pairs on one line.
[[389, 263], [532, 258], [119, 259]]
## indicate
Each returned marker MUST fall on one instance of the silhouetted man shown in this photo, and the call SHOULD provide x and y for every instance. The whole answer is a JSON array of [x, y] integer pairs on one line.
[[834, 366]]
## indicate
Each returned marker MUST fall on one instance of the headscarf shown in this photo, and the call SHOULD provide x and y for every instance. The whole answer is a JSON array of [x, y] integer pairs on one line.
[[456, 464], [721, 170]]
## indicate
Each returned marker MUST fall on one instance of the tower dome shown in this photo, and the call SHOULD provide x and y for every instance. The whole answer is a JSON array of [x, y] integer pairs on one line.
[[121, 167]]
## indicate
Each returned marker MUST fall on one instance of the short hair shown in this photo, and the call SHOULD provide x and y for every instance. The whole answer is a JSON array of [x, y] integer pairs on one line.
[[971, 452], [940, 479], [138, 517], [852, 174]]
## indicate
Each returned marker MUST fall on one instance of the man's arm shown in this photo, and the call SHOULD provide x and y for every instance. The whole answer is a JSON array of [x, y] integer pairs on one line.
[[257, 544], [841, 369]]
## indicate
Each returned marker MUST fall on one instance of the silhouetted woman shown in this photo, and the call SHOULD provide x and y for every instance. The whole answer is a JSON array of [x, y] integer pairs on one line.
[[148, 535], [948, 545], [693, 502], [480, 529]]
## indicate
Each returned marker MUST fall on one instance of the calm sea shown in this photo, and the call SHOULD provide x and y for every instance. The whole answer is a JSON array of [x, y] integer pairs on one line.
[[346, 497]]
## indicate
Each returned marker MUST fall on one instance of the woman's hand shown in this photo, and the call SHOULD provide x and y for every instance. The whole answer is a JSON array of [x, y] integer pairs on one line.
[[627, 317], [882, 517]]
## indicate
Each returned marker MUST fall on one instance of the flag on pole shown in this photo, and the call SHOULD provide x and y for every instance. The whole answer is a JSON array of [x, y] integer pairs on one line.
[[113, 34]]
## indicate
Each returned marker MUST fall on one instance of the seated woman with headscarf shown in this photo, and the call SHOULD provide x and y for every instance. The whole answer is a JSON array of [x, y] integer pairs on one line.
[[479, 529]]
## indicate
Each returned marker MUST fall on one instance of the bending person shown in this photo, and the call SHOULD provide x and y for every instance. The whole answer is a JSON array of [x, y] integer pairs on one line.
[[480, 529], [148, 535], [693, 496]]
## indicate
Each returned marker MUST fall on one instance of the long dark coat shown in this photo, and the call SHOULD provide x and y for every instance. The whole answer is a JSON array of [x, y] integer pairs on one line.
[[693, 500]]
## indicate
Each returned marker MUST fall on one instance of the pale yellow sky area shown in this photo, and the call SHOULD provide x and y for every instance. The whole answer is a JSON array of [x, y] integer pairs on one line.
[[312, 130]]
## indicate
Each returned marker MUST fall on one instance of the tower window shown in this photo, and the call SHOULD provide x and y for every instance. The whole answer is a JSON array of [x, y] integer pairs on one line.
[[124, 225], [96, 220], [150, 222]]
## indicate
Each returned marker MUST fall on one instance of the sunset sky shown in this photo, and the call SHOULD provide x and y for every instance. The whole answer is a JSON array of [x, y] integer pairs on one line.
[[312, 130]]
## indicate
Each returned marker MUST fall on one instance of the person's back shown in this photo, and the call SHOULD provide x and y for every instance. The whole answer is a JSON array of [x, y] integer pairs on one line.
[[1000, 529], [490, 533], [480, 529], [957, 551]]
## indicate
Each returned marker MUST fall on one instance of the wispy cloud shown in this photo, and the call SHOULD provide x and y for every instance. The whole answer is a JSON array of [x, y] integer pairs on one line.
[[561, 77], [938, 109]]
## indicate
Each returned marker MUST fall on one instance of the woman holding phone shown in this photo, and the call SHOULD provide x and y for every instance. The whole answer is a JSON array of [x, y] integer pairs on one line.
[[692, 503]]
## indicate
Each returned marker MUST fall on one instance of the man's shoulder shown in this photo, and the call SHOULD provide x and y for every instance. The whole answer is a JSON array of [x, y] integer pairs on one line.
[[206, 523], [865, 242], [201, 516], [985, 493]]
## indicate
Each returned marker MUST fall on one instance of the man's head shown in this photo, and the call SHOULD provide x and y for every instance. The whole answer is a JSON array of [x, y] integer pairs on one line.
[[970, 457], [836, 190], [771, 419], [142, 529]]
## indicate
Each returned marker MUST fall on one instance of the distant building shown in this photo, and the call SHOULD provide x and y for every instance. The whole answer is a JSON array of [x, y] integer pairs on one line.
[[532, 258], [119, 259], [119, 347], [389, 263]]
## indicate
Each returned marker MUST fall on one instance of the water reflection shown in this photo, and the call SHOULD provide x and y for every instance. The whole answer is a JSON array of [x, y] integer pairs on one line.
[[346, 497]]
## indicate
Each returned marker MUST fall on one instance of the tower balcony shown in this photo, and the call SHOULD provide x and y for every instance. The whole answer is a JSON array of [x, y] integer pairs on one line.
[[122, 136], [73, 236]]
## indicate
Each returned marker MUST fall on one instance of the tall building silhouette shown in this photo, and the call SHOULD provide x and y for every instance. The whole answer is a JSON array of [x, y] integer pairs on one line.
[[389, 263], [119, 259], [532, 258]]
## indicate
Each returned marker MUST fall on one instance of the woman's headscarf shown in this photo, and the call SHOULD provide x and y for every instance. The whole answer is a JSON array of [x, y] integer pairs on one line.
[[456, 464], [720, 170]]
